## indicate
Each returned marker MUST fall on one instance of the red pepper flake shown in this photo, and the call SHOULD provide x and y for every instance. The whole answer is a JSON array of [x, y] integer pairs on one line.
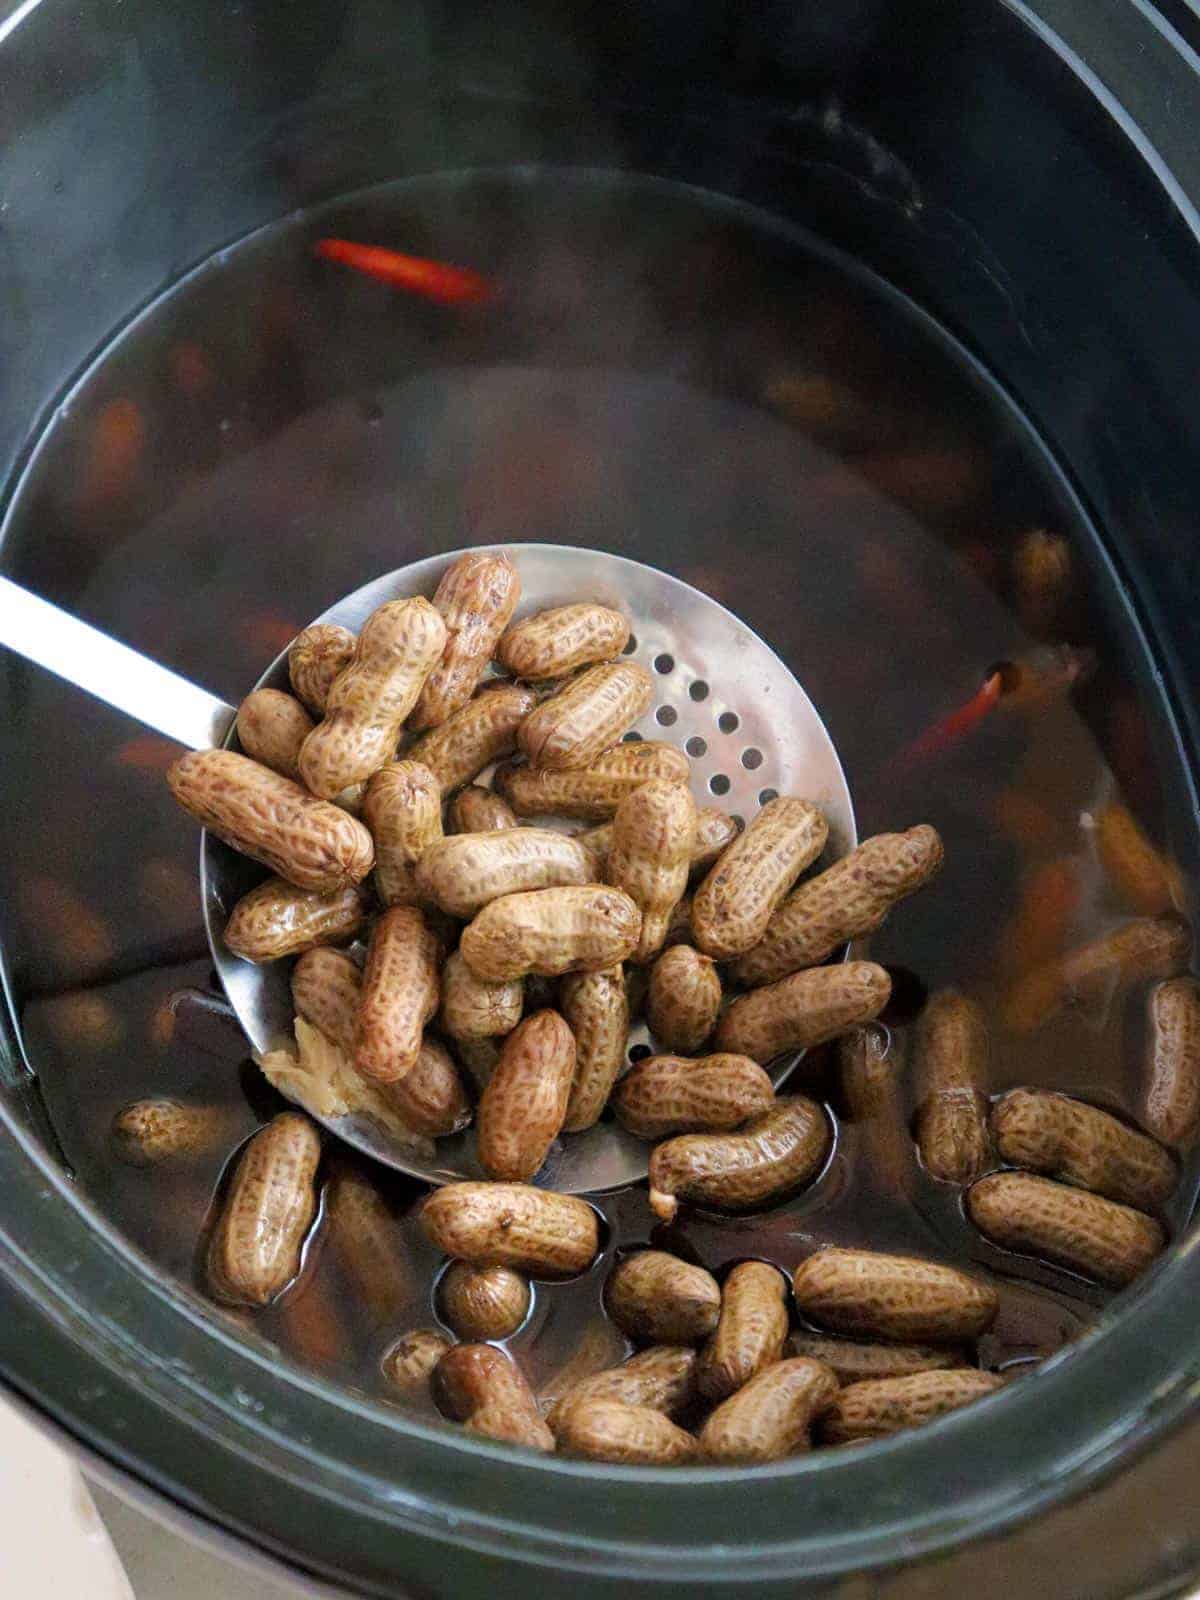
[[434, 280]]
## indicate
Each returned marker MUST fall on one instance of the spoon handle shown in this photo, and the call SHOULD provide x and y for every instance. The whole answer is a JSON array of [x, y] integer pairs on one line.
[[110, 671]]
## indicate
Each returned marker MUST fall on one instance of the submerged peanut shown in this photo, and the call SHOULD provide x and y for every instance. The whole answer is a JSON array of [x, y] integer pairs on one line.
[[1135, 868], [430, 1097], [483, 1302], [409, 1363], [276, 919], [536, 1231], [1171, 1103], [596, 1009], [474, 1008], [653, 834], [586, 717], [365, 1237], [476, 597], [1043, 580], [551, 931], [482, 731], [771, 1416], [254, 1252], [803, 1010], [522, 1109], [309, 842], [399, 995], [878, 1407], [315, 659], [662, 1095], [467, 871], [146, 1133], [952, 1076], [870, 1067], [483, 1388], [892, 1297], [478, 810], [1149, 947], [625, 1435], [849, 899], [662, 1378], [598, 1345], [403, 809], [683, 1000], [1071, 1227], [1081, 1144], [734, 905], [554, 643], [271, 727], [776, 1152], [659, 1298], [594, 792], [852, 1361], [751, 1332]]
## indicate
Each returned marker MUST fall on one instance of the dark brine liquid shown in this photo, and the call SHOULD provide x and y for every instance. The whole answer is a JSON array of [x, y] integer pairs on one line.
[[667, 377]]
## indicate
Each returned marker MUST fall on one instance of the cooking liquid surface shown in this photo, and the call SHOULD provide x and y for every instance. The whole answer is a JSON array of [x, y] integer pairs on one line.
[[665, 377]]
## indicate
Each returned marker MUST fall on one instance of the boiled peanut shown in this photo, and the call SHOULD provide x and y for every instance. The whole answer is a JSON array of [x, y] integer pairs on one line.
[[774, 1153], [276, 919], [482, 731], [365, 1236], [751, 1332], [522, 1109], [596, 1009], [467, 871], [271, 727], [551, 931], [474, 1008], [771, 1416], [325, 991], [715, 829], [684, 999], [309, 842], [881, 1406], [892, 1297], [409, 1363], [679, 924], [478, 810], [483, 1388], [851, 1361], [1042, 577], [849, 899], [734, 905], [870, 1065], [586, 717], [592, 793], [403, 809], [311, 1323], [368, 702], [659, 1298], [254, 1252], [598, 1346], [1071, 1227], [555, 643], [662, 1378], [477, 596], [1137, 871], [631, 1436], [85, 1021], [1149, 947], [637, 982], [803, 1010], [511, 1225], [315, 659], [483, 1302], [653, 833], [479, 1057], [662, 1095], [952, 1075], [399, 995], [430, 1098], [146, 1133], [1171, 1104], [1081, 1144]]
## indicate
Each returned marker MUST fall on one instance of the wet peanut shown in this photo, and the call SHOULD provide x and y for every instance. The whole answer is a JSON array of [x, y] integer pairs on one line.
[[771, 1416], [672, 1094], [365, 1237], [849, 899], [679, 924], [878, 1407], [592, 793], [483, 1302], [399, 995], [892, 1297], [555, 643], [803, 1010], [409, 1363], [684, 999], [315, 659], [430, 1098], [551, 931], [1149, 947], [751, 1332], [596, 1009], [309, 842], [1171, 1104], [593, 1354], [483, 1388], [586, 717], [1042, 579], [522, 1108], [637, 982], [85, 1021], [653, 834], [271, 727], [478, 810], [276, 919], [482, 731], [662, 1378], [403, 809], [1071, 1227], [715, 829], [146, 1133], [512, 1225], [1137, 871], [467, 871], [733, 907], [312, 1326], [325, 992], [1081, 1144], [254, 1252], [1038, 931], [476, 597], [663, 1300], [479, 1058], [776, 1152], [368, 702], [852, 1361], [630, 1436], [952, 1075], [474, 1008], [870, 1066]]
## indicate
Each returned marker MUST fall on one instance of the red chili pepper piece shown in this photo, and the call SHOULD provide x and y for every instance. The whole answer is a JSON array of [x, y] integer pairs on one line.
[[954, 727], [435, 280]]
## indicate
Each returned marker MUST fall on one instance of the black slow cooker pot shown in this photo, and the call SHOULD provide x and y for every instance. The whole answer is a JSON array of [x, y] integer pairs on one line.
[[1028, 174]]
